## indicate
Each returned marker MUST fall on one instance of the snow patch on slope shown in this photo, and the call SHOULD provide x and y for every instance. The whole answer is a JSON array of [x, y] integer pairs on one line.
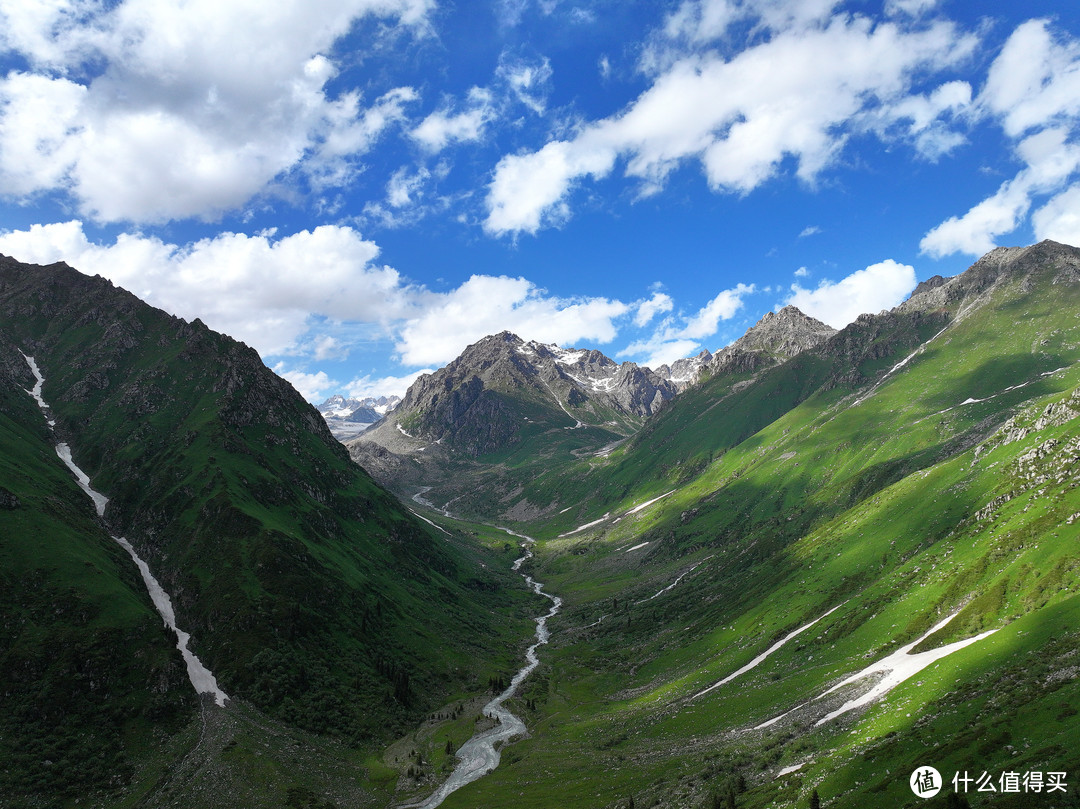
[[586, 525], [201, 678], [901, 665], [636, 509], [897, 668], [761, 657]]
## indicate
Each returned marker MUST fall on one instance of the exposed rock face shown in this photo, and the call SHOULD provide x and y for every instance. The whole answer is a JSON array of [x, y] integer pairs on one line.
[[480, 402], [683, 373], [784, 334], [1001, 264], [777, 337]]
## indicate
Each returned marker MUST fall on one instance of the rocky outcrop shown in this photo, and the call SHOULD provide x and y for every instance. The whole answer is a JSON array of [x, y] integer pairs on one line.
[[481, 401], [778, 336], [782, 335], [683, 373], [1059, 262], [8, 501]]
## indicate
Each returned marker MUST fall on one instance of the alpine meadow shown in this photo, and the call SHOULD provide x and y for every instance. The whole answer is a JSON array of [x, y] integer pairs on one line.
[[833, 557], [539, 404]]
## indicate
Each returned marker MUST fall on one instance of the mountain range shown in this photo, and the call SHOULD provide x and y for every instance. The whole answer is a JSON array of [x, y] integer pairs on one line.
[[347, 417], [818, 568], [808, 566], [528, 407]]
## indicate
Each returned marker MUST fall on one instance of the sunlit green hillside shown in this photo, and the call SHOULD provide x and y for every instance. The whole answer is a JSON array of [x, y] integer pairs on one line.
[[922, 464]]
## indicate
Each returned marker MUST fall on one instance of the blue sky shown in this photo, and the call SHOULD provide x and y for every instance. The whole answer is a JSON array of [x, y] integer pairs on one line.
[[361, 188]]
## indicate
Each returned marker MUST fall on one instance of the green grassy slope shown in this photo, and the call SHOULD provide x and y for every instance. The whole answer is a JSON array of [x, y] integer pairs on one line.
[[78, 706], [313, 595], [946, 487]]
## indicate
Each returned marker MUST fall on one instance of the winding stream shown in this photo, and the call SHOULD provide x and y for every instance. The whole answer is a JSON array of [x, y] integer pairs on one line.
[[480, 754]]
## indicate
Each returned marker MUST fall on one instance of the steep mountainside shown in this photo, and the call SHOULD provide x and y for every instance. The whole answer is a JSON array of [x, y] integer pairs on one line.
[[72, 612], [816, 573], [507, 405], [317, 600], [477, 404], [827, 573]]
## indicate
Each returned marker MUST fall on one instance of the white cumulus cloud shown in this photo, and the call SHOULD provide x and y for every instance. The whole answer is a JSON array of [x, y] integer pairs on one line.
[[529, 80], [259, 289], [487, 304], [193, 107], [313, 387], [1032, 91], [365, 386], [443, 127], [315, 294], [678, 337], [659, 303], [879, 286], [797, 94], [1059, 219], [1051, 160]]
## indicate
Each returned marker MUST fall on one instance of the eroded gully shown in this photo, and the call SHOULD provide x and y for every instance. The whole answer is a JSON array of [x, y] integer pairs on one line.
[[202, 679]]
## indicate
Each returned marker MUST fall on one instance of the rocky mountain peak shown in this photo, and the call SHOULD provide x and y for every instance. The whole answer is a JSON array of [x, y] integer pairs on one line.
[[1060, 262], [784, 333], [682, 373], [475, 403], [777, 337]]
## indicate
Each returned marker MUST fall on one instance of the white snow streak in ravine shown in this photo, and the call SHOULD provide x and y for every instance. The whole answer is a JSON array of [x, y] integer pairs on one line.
[[480, 754], [896, 668], [761, 657], [201, 677], [901, 665]]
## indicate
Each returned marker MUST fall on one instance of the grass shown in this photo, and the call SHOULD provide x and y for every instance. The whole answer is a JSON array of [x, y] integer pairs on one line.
[[314, 596], [901, 507], [828, 482]]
